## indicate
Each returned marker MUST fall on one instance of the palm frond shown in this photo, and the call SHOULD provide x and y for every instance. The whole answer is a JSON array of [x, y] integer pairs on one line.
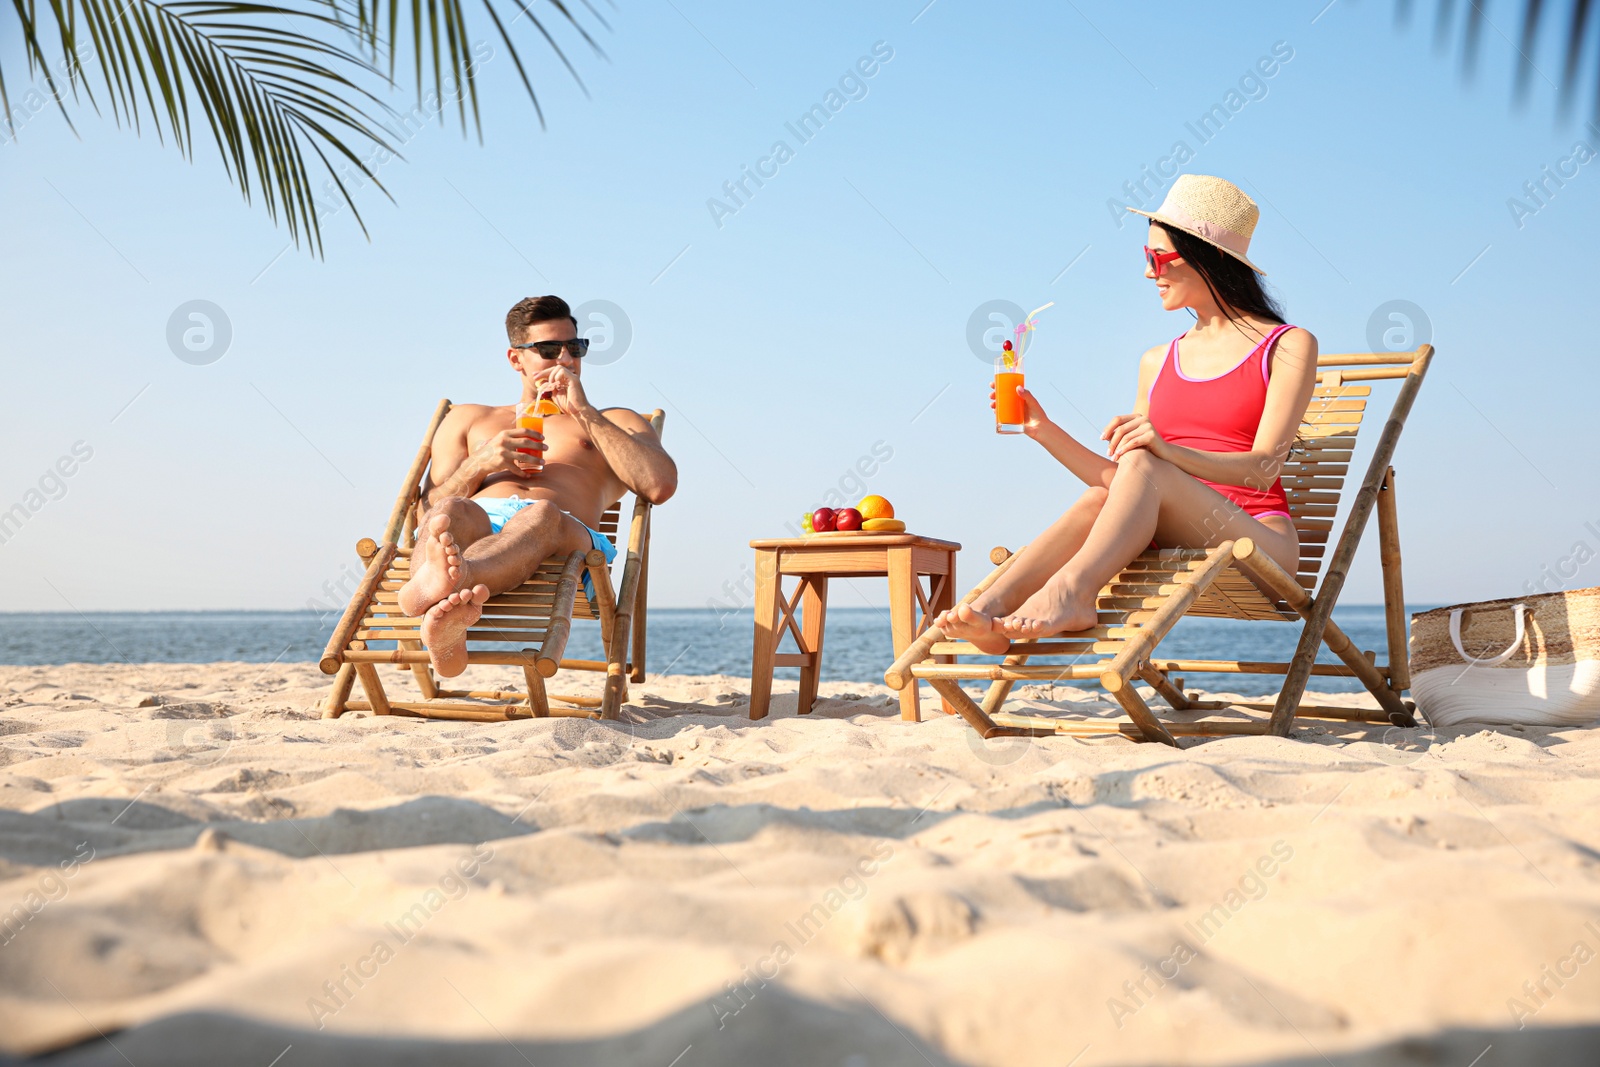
[[443, 22], [272, 81], [1531, 14], [1577, 40]]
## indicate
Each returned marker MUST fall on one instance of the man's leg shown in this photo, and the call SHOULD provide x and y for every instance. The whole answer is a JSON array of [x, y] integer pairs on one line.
[[449, 527], [494, 564]]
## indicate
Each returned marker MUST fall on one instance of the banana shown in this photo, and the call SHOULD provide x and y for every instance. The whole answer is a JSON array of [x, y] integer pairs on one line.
[[883, 526]]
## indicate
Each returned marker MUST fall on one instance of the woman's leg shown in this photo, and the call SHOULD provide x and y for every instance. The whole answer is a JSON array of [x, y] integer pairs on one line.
[[1149, 499], [1043, 557]]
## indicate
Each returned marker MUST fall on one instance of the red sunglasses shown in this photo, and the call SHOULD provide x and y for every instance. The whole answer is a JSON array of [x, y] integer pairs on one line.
[[1158, 260]]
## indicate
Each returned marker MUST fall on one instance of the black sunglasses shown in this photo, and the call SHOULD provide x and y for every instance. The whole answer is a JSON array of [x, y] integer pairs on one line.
[[576, 348]]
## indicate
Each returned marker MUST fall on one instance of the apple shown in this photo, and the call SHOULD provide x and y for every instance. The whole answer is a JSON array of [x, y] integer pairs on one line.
[[847, 519], [822, 520]]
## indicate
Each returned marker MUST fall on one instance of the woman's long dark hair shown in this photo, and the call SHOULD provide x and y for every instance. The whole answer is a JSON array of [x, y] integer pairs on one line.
[[1235, 287]]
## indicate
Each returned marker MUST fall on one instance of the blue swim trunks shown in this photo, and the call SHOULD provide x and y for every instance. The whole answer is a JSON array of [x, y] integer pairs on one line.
[[501, 508]]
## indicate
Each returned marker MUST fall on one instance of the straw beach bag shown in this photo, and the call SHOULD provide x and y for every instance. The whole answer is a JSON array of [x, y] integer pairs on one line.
[[1532, 661]]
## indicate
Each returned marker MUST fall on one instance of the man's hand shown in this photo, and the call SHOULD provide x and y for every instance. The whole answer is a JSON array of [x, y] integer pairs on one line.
[[499, 453], [566, 390]]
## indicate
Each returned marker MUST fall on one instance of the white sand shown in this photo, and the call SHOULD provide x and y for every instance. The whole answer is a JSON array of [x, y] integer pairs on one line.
[[220, 875]]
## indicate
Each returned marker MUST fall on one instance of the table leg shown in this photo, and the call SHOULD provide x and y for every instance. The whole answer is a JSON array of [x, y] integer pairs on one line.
[[765, 645], [813, 617], [903, 623], [944, 598]]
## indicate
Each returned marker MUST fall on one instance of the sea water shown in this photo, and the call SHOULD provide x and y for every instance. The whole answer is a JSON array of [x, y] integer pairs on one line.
[[856, 646]]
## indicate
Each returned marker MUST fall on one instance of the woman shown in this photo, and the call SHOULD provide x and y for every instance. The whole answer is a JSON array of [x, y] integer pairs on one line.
[[1196, 462]]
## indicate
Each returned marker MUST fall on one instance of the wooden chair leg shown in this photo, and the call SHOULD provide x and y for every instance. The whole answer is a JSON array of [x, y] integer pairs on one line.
[[341, 691], [641, 616], [1340, 645], [1394, 596], [1142, 716], [616, 692], [1337, 567], [605, 596], [373, 686], [903, 625], [423, 672], [538, 700], [813, 615], [1161, 684], [560, 627], [943, 598], [616, 687], [968, 709], [1265, 572], [1000, 688], [765, 646]]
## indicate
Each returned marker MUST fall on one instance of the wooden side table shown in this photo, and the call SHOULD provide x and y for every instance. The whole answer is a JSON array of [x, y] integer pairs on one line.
[[903, 558]]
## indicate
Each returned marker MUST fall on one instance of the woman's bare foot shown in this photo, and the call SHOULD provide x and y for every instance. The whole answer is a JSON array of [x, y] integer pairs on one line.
[[1053, 609], [436, 570], [444, 629], [966, 623]]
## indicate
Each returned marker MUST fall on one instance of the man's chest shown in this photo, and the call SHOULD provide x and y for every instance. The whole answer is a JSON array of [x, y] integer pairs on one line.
[[565, 441]]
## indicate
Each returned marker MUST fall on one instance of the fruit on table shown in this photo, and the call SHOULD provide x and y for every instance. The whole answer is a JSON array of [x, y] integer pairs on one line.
[[805, 523], [883, 526], [822, 520], [875, 507], [847, 519]]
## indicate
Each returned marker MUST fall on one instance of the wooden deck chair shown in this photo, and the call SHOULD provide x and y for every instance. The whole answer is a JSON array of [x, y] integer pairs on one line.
[[533, 621], [1233, 580]]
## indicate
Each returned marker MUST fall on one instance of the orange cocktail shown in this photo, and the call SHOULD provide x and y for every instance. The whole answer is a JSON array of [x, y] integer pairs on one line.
[[1008, 407], [530, 416], [1010, 413]]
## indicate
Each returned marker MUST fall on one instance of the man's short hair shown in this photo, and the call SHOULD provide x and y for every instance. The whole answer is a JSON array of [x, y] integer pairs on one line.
[[526, 312]]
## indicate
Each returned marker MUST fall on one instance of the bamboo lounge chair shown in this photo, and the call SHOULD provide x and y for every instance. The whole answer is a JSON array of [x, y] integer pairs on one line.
[[1233, 580], [536, 616]]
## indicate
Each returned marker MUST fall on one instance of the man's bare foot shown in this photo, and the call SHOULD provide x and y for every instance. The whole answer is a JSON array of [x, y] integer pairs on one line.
[[436, 570], [444, 629], [966, 623], [1053, 609]]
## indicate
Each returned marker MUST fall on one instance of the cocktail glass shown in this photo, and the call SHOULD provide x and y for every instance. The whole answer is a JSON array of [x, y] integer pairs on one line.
[[530, 416], [1008, 407]]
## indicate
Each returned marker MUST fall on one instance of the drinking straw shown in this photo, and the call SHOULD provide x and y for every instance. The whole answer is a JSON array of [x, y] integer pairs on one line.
[[1027, 325]]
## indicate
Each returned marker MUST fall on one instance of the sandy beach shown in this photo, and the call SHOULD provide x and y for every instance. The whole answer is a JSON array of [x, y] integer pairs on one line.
[[195, 868]]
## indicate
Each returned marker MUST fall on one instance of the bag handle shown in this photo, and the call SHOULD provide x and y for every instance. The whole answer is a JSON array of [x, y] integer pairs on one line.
[[1489, 661]]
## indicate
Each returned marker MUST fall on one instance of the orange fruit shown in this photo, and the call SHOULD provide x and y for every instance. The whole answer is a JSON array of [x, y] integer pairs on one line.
[[875, 507]]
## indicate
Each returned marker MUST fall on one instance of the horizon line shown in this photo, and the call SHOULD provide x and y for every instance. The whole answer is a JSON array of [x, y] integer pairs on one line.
[[4, 613]]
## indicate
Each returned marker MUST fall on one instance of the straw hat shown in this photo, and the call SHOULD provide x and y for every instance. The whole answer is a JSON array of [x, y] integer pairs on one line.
[[1212, 209]]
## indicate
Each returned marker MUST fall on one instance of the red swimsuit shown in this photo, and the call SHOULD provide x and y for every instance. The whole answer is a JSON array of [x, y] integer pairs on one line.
[[1220, 414]]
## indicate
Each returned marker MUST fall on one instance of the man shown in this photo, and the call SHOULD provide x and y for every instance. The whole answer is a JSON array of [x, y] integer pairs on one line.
[[486, 525]]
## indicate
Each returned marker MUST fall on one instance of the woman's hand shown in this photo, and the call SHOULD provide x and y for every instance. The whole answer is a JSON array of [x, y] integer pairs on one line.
[[1033, 416], [1128, 432]]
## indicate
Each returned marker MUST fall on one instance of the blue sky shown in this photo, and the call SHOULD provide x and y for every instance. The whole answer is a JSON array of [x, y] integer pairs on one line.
[[825, 318]]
